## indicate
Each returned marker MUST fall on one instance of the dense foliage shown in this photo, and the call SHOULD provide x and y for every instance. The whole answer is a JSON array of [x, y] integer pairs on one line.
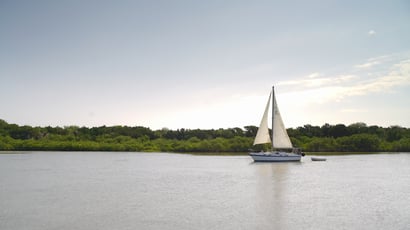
[[356, 137]]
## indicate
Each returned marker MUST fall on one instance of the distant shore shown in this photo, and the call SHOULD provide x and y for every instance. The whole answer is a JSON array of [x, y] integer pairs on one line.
[[357, 138], [207, 153]]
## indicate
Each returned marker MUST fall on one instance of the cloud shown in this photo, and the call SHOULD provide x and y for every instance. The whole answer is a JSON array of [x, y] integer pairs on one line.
[[326, 89], [371, 62], [314, 81], [398, 76], [374, 61], [314, 75], [367, 64], [371, 32], [347, 110]]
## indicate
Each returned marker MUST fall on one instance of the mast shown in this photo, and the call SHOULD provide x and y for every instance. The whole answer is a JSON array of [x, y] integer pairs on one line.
[[273, 112]]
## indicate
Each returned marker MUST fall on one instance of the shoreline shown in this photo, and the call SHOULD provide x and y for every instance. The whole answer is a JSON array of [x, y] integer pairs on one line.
[[194, 153]]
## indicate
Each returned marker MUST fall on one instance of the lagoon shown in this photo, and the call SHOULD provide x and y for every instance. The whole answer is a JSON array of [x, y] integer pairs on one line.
[[123, 190]]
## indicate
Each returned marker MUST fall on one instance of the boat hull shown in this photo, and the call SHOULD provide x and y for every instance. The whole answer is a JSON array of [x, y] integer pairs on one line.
[[275, 157], [318, 159]]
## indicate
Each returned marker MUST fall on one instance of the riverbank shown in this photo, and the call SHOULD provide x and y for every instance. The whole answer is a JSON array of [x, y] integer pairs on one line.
[[206, 153], [328, 138]]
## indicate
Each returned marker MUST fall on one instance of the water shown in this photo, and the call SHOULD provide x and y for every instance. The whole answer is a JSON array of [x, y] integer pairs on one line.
[[105, 190]]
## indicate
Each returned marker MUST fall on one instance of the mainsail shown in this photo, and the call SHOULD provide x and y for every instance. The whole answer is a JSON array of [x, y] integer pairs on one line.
[[280, 138]]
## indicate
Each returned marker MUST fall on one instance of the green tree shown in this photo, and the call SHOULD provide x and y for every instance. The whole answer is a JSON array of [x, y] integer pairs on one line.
[[359, 143], [326, 144]]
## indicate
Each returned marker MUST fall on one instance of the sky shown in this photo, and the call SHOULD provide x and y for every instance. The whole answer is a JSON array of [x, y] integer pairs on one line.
[[203, 64]]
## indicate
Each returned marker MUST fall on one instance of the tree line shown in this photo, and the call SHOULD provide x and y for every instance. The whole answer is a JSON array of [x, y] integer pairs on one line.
[[357, 137]]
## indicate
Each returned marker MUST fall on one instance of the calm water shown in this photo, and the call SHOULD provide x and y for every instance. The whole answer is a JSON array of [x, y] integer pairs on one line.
[[94, 190]]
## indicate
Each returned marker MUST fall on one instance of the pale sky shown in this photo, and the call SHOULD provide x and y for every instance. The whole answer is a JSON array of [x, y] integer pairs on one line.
[[203, 64]]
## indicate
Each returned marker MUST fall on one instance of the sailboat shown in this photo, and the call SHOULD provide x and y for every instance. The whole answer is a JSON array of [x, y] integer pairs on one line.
[[279, 139]]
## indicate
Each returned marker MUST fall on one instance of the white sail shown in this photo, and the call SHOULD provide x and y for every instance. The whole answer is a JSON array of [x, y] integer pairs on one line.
[[262, 136], [280, 138]]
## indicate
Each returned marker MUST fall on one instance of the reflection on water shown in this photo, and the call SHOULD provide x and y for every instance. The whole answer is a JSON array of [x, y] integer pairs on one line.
[[54, 190], [271, 187], [272, 192]]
